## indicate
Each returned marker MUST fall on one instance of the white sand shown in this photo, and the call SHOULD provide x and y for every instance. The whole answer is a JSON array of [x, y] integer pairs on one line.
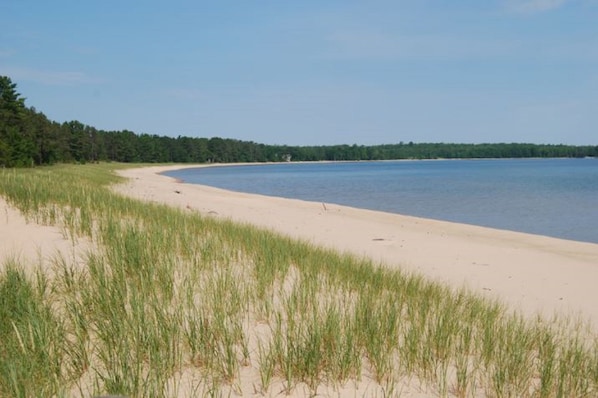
[[32, 245], [528, 272]]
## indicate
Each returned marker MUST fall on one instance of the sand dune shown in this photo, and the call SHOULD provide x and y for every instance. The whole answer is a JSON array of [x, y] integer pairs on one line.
[[528, 272]]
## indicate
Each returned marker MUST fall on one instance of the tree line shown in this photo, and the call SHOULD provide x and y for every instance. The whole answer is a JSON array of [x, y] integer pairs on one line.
[[28, 138]]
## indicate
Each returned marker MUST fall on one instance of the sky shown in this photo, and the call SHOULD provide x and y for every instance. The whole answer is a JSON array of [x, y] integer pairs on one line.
[[312, 72]]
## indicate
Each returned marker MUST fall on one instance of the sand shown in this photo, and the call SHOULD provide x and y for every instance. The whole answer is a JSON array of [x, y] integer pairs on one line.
[[31, 245], [530, 273]]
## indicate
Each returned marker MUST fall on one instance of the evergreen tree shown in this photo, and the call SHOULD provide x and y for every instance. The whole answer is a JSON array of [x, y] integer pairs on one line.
[[16, 145]]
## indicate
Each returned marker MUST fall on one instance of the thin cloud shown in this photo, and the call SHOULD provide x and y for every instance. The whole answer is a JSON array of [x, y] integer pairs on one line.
[[534, 6], [374, 45], [60, 78]]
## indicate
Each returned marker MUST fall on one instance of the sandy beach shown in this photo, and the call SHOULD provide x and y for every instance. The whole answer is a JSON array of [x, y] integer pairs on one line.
[[534, 274], [530, 273]]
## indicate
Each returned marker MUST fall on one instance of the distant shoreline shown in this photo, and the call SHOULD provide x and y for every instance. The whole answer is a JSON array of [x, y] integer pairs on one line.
[[181, 166]]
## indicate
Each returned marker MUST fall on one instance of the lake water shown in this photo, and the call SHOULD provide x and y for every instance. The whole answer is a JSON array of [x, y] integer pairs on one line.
[[553, 197]]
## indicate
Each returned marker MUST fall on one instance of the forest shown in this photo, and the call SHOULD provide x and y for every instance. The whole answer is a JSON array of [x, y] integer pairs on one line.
[[28, 138]]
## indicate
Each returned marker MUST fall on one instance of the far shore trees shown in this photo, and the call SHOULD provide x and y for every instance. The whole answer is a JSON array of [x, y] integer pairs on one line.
[[29, 138]]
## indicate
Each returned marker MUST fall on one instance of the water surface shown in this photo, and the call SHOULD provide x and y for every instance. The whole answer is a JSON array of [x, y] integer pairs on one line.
[[553, 197]]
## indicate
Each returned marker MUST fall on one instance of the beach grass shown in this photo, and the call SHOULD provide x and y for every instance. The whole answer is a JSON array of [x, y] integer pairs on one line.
[[169, 302]]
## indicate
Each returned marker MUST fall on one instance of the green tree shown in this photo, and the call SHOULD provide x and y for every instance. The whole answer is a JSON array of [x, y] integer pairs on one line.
[[46, 136], [16, 146]]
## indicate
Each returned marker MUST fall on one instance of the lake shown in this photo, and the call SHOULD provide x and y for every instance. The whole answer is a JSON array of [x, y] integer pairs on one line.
[[552, 197]]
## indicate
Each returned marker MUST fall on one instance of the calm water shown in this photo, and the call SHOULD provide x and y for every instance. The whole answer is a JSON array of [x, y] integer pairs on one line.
[[554, 197]]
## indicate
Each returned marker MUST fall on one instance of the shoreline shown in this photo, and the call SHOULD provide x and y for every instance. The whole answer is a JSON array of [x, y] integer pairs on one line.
[[582, 232], [531, 273]]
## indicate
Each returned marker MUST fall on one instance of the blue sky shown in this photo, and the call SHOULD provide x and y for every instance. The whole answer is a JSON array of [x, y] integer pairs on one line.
[[312, 72]]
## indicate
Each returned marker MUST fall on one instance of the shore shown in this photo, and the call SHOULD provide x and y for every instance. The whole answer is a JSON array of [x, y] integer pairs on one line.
[[530, 273], [534, 274]]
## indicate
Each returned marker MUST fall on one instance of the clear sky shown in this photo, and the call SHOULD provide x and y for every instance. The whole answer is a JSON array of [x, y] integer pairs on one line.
[[312, 72]]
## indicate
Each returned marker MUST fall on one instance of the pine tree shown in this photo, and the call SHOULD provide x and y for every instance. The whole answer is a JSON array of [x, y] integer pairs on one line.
[[17, 147]]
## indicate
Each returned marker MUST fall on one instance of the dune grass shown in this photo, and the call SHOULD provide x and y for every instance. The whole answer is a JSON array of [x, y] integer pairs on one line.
[[172, 303]]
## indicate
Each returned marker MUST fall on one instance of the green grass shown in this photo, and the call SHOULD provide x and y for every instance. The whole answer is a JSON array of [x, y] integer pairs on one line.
[[170, 302], [31, 355]]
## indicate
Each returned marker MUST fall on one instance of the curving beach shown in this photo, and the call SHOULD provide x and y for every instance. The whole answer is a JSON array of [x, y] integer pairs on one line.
[[534, 274]]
